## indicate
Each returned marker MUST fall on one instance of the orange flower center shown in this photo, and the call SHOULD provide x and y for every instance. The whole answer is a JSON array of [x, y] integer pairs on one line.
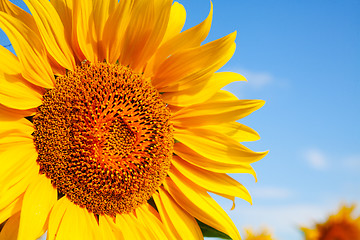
[[104, 138]]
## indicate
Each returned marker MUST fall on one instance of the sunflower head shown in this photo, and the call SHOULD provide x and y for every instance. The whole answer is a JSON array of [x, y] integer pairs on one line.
[[114, 123], [340, 226], [104, 138], [263, 234]]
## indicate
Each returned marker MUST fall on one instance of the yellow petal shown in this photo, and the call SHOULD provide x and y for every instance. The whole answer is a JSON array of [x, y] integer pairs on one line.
[[151, 222], [10, 230], [177, 42], [15, 134], [215, 145], [231, 198], [211, 181], [16, 93], [11, 209], [84, 29], [183, 69], [69, 221], [214, 165], [176, 21], [237, 131], [181, 224], [202, 91], [199, 204], [15, 11], [144, 33], [30, 51], [222, 95], [113, 37], [56, 217], [10, 114], [68, 16], [211, 113], [15, 182], [64, 9], [39, 198], [28, 20], [20, 127], [144, 224], [52, 32], [102, 9], [18, 158], [130, 227], [9, 63], [107, 230]]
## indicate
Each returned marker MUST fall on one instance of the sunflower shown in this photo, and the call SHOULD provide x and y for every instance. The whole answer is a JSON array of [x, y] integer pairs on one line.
[[114, 124], [264, 234], [340, 226]]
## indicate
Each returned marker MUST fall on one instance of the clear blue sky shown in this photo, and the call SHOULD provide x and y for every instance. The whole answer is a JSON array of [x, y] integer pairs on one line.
[[303, 58]]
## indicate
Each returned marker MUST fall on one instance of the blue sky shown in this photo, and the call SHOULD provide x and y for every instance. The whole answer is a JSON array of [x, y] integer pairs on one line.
[[303, 58]]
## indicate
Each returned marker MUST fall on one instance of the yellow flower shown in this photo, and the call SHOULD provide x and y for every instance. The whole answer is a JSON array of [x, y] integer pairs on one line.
[[264, 234], [113, 124], [340, 226]]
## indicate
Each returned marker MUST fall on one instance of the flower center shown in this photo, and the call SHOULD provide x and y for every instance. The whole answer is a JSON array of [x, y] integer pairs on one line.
[[104, 138]]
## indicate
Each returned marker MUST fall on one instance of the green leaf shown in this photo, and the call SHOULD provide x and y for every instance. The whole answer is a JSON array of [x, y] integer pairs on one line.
[[208, 231]]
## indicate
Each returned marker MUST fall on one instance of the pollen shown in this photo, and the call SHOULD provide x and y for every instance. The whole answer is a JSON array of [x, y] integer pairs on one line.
[[104, 138]]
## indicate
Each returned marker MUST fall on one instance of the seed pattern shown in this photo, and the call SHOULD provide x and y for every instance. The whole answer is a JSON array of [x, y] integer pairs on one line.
[[104, 138]]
